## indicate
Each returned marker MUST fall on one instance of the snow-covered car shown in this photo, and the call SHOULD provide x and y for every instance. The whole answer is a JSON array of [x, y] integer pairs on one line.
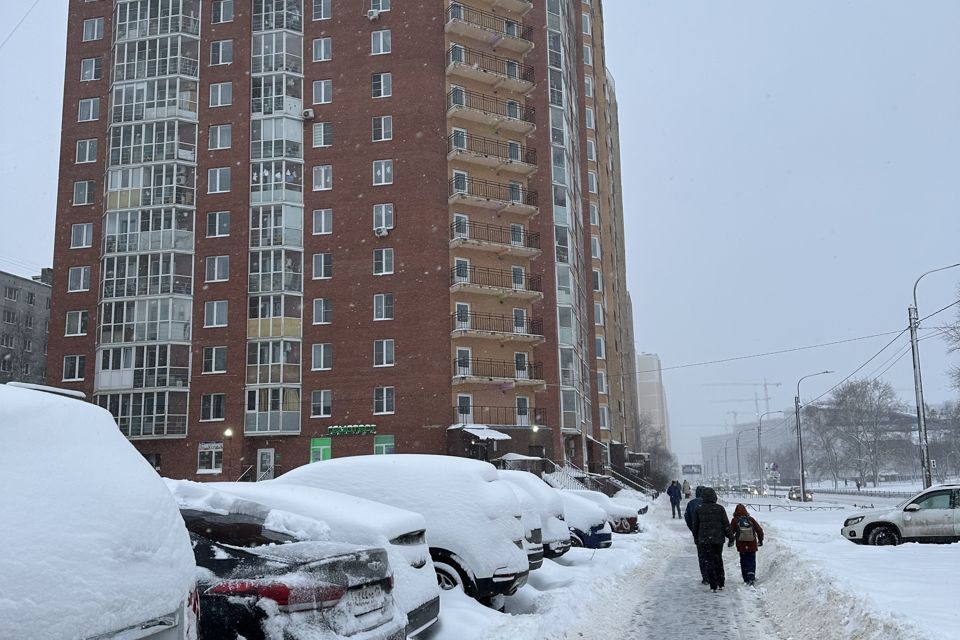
[[473, 519], [622, 519], [794, 494], [356, 520], [932, 515], [556, 534], [93, 543], [267, 573], [587, 522], [532, 527]]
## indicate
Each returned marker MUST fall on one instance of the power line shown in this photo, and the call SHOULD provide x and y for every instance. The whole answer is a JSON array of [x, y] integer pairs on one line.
[[955, 302], [17, 26], [855, 371]]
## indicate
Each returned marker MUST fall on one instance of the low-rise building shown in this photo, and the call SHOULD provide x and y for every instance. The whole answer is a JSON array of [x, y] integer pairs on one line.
[[24, 320]]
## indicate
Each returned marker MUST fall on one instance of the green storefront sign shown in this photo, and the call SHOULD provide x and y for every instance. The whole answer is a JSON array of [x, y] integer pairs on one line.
[[352, 429]]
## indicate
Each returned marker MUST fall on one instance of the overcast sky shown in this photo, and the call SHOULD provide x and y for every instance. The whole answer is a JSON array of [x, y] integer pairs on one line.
[[790, 167]]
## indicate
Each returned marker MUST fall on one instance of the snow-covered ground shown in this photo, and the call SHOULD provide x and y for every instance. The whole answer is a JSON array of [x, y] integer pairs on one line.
[[812, 584]]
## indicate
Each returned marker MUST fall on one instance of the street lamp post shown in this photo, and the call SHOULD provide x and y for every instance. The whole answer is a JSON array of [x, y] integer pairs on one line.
[[803, 482], [739, 477], [913, 317], [760, 446]]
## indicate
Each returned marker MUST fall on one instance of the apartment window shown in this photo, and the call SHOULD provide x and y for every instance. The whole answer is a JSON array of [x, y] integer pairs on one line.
[[88, 110], [76, 323], [597, 281], [322, 357], [323, 177], [321, 9], [9, 317], [78, 279], [383, 306], [214, 359], [218, 224], [218, 268], [383, 354], [220, 136], [380, 42], [322, 266], [382, 128], [322, 91], [383, 445], [601, 348], [383, 216], [31, 299], [222, 11], [587, 54], [322, 311], [86, 150], [218, 180], [81, 235], [73, 368], [586, 24], [28, 321], [11, 293], [592, 181], [523, 410], [594, 214], [382, 262], [322, 222], [604, 416], [382, 172], [322, 134], [591, 150], [381, 85], [601, 381], [595, 247], [380, 5], [598, 314], [321, 403], [221, 52], [383, 400], [212, 406], [322, 49], [591, 120], [91, 69], [6, 341], [221, 94], [215, 313], [83, 192], [210, 457], [93, 29]]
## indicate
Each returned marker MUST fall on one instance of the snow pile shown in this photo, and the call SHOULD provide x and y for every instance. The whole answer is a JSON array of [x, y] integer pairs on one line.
[[547, 501], [615, 510], [92, 540], [581, 513]]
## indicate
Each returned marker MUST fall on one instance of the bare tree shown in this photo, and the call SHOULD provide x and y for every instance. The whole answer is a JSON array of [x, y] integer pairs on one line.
[[865, 410], [826, 452]]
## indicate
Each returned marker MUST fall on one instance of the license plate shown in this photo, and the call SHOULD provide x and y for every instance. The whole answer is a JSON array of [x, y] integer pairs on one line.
[[367, 598]]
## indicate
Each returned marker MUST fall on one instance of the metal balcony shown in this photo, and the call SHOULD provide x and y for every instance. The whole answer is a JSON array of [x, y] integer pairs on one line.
[[497, 72], [497, 239], [492, 153], [496, 30], [482, 371], [510, 197], [498, 282], [498, 327], [505, 115], [498, 416]]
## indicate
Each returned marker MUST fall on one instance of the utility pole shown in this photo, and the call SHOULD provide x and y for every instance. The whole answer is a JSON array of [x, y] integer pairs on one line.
[[803, 482], [760, 447]]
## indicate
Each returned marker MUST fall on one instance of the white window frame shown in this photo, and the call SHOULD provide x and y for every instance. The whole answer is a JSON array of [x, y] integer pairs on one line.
[[212, 452], [325, 306], [380, 42], [83, 275], [322, 91], [322, 133], [221, 52], [386, 85], [212, 406], [220, 266], [215, 180], [216, 217], [387, 356], [216, 134], [87, 150], [385, 256], [321, 356], [323, 177], [92, 29], [225, 9], [322, 222], [213, 351], [81, 235], [84, 192], [381, 300], [384, 213], [325, 272], [326, 403], [76, 366], [91, 69], [384, 167], [221, 94], [386, 128], [323, 49], [386, 397], [91, 106], [79, 319], [212, 309]]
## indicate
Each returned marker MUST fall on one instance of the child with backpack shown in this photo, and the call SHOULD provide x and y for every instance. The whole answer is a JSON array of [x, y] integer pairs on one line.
[[748, 535]]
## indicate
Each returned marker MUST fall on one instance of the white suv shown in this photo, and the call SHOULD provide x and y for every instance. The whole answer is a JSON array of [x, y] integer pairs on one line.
[[932, 515]]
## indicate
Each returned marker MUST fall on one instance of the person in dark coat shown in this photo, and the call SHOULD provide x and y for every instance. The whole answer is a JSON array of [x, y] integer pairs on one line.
[[711, 528], [748, 535], [692, 507], [674, 492]]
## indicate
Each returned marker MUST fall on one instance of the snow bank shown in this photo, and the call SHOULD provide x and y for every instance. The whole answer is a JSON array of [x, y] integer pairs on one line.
[[92, 540]]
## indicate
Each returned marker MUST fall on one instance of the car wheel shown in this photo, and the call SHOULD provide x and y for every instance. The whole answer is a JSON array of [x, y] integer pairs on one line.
[[448, 578], [575, 540], [884, 535]]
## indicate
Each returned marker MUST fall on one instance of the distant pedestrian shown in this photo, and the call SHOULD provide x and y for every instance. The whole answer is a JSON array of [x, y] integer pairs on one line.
[[858, 485], [711, 528], [674, 492], [692, 507], [748, 534], [686, 489]]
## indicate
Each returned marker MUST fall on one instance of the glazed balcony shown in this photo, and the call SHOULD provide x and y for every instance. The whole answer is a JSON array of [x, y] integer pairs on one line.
[[491, 153], [491, 70], [499, 327], [508, 197], [497, 282], [474, 371], [498, 416], [497, 239], [502, 115], [496, 30]]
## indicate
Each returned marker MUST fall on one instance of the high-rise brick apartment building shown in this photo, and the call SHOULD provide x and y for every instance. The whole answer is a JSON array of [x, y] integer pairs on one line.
[[325, 228]]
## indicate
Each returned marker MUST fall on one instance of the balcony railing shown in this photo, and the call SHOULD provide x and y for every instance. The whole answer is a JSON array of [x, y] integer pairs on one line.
[[486, 190], [496, 323], [458, 54], [508, 236], [489, 104], [506, 151], [491, 21], [498, 416], [501, 278], [482, 368]]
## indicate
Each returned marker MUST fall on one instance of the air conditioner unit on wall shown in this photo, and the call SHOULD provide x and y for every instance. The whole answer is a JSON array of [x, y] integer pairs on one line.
[[308, 114], [381, 232], [373, 14]]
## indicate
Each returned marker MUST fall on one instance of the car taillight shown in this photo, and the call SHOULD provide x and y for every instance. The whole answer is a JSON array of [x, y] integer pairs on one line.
[[315, 596]]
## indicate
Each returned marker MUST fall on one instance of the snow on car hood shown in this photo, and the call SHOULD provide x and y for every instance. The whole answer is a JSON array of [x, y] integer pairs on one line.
[[92, 540], [613, 509], [547, 501], [581, 513]]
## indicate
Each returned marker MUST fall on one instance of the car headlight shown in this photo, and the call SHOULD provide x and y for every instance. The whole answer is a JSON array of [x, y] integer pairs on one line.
[[849, 522]]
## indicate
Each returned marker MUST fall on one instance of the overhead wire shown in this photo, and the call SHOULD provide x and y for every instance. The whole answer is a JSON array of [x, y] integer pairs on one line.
[[19, 23]]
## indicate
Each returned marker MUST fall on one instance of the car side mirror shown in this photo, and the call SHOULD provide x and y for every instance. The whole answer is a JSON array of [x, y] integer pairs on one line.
[[912, 507]]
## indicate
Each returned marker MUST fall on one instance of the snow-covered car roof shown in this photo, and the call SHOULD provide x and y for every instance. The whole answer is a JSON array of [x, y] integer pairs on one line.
[[612, 508], [93, 542], [580, 512], [548, 503]]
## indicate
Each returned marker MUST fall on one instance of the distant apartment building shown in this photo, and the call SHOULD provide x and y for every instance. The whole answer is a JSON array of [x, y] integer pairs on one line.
[[320, 228], [652, 399], [24, 325]]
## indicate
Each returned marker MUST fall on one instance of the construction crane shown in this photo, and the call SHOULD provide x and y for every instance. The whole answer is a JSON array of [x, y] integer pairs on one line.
[[755, 385]]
